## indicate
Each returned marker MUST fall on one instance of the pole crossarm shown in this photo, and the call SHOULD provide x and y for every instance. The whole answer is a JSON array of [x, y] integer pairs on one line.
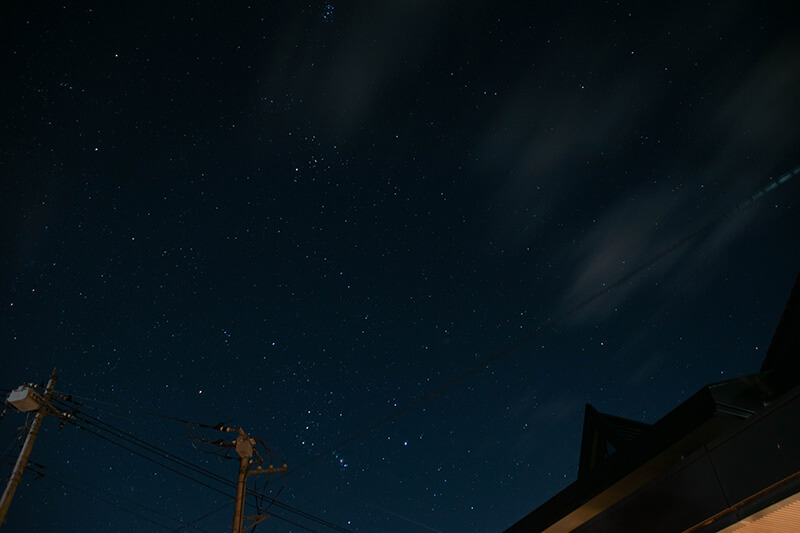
[[258, 519], [269, 470]]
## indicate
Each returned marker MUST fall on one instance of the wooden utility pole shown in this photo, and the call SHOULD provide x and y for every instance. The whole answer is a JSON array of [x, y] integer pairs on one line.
[[244, 445], [26, 399]]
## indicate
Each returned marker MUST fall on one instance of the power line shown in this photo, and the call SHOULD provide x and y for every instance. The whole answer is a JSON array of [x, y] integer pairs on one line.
[[200, 482], [465, 374], [87, 427], [90, 424], [69, 397], [136, 441], [132, 439]]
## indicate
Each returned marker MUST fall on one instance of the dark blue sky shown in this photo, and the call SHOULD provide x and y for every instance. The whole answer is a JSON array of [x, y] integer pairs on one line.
[[301, 218]]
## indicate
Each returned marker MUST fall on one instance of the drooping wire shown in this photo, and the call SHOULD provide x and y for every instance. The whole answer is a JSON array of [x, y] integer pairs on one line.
[[550, 322], [128, 437], [309, 516], [259, 496], [189, 422], [70, 398], [132, 439], [96, 426]]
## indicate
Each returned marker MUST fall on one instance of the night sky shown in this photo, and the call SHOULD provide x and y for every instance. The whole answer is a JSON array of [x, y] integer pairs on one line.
[[318, 221]]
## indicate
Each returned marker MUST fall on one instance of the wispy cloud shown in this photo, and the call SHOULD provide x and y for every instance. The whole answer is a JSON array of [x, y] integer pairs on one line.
[[341, 81], [729, 131], [756, 125]]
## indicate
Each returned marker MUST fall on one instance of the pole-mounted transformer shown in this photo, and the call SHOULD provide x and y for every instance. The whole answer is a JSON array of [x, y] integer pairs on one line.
[[26, 399]]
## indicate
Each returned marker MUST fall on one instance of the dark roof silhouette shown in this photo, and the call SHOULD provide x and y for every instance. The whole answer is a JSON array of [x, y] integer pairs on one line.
[[728, 456]]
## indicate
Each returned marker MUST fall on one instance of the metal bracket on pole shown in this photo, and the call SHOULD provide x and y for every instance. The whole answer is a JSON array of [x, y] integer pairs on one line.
[[269, 470], [257, 520]]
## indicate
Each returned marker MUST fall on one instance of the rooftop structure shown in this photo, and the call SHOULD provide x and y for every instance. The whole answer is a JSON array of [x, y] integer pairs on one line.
[[726, 459]]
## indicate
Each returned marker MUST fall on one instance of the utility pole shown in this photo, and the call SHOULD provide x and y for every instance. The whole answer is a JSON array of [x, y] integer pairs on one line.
[[245, 447], [25, 398]]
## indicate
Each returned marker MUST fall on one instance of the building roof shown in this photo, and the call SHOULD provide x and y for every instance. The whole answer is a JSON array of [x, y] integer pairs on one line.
[[722, 456]]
